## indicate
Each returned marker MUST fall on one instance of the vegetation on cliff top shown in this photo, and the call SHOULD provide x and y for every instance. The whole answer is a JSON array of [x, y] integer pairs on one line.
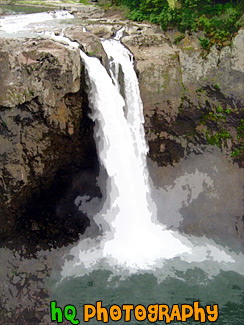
[[219, 19]]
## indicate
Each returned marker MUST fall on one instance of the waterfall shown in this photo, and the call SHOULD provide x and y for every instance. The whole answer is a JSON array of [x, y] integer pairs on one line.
[[129, 238], [137, 241]]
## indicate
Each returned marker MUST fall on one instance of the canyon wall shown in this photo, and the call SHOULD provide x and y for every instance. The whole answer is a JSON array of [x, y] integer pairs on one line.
[[46, 135]]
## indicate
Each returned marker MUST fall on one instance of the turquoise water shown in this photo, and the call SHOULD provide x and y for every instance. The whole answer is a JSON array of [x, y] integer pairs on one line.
[[226, 290], [18, 9]]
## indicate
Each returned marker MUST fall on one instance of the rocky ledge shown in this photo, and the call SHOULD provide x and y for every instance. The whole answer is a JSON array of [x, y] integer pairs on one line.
[[46, 135]]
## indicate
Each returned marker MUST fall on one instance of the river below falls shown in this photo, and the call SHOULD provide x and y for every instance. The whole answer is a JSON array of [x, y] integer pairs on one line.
[[29, 283]]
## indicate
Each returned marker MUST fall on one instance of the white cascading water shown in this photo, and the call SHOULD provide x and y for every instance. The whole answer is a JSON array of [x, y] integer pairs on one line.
[[129, 239], [137, 242], [15, 24]]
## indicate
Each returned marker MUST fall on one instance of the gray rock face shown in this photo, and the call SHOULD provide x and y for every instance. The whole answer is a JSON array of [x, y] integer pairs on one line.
[[43, 69], [44, 129], [190, 97], [223, 68], [89, 43]]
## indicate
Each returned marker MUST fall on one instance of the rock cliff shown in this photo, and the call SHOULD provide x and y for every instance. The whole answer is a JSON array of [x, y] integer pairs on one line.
[[46, 135], [191, 97]]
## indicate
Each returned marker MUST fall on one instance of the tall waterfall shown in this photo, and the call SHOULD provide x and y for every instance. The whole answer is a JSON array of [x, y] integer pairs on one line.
[[129, 237], [135, 240]]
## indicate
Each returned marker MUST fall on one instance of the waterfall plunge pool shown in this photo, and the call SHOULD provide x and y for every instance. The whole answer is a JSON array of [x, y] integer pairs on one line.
[[133, 260]]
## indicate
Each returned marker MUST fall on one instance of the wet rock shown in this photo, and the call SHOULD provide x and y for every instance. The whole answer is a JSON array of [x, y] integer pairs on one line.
[[44, 69], [102, 30], [45, 133], [190, 97], [89, 43]]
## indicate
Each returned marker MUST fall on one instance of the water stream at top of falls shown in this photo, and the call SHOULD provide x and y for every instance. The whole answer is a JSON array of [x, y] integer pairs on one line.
[[13, 24]]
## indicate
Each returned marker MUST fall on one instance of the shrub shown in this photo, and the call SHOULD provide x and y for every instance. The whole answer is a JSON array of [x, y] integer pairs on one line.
[[219, 21]]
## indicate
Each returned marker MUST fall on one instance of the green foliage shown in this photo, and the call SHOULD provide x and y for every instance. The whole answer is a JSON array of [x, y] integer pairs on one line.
[[217, 138], [216, 132], [240, 130], [216, 86], [219, 109], [214, 117], [215, 122], [179, 38], [218, 21], [205, 42], [136, 15], [239, 149], [85, 2], [236, 153]]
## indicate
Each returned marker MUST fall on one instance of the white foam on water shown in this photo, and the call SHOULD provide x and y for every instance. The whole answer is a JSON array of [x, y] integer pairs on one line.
[[13, 24]]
